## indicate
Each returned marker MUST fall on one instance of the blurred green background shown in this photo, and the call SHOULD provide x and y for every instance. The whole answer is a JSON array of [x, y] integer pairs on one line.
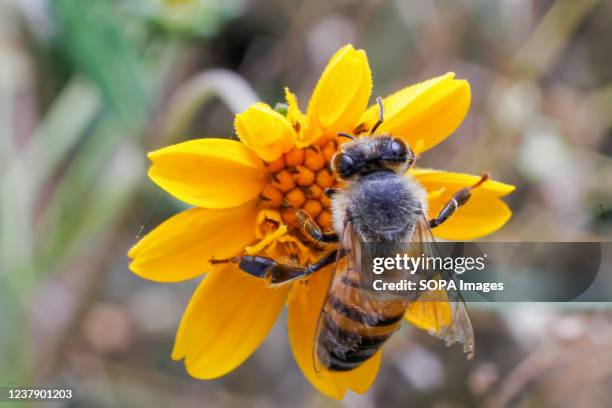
[[88, 87]]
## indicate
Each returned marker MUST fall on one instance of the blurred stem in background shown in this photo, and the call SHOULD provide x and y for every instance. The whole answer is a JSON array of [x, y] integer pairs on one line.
[[64, 191], [551, 36]]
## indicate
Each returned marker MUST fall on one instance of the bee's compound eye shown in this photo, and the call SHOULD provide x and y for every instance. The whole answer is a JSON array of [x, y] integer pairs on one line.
[[345, 165], [397, 149]]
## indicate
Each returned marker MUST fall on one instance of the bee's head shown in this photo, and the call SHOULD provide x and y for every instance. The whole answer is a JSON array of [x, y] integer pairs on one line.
[[369, 154]]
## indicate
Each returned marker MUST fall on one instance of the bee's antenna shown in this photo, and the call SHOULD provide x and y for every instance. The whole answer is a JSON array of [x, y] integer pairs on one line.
[[347, 135], [483, 177], [380, 116]]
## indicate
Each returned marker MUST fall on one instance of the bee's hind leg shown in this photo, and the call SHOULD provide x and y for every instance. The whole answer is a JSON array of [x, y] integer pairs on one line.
[[274, 272], [310, 227], [459, 198]]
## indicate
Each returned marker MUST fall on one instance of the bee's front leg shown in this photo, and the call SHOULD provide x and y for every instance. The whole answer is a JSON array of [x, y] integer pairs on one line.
[[459, 198], [310, 227], [275, 273]]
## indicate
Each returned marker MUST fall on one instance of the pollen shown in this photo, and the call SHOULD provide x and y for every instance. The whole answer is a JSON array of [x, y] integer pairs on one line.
[[298, 180], [294, 157], [329, 149], [325, 178], [284, 180], [295, 198], [272, 195], [276, 165], [325, 220], [313, 191], [288, 216], [312, 207], [313, 158], [304, 176]]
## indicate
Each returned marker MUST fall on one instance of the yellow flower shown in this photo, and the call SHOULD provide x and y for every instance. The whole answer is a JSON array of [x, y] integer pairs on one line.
[[245, 195]]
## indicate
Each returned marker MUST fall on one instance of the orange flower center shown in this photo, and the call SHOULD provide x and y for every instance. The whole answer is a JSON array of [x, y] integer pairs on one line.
[[298, 180]]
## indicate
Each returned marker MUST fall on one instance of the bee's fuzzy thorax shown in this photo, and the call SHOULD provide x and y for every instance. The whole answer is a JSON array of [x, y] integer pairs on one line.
[[364, 199]]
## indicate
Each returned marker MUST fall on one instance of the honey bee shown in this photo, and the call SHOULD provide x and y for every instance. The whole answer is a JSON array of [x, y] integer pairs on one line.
[[380, 211]]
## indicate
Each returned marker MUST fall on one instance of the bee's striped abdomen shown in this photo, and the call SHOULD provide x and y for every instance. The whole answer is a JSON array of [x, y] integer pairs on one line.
[[352, 332]]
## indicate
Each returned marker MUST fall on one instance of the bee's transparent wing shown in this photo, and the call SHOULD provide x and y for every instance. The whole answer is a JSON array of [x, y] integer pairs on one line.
[[441, 312], [354, 321], [345, 272]]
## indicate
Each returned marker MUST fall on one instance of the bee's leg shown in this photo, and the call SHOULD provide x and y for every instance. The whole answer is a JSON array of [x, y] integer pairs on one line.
[[459, 198], [275, 273], [253, 265], [280, 274], [330, 192], [310, 227]]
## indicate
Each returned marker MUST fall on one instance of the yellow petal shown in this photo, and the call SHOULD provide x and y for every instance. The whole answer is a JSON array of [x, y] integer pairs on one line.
[[267, 240], [304, 134], [210, 173], [342, 93], [268, 133], [361, 379], [423, 114], [294, 115], [228, 317], [430, 312], [268, 229], [181, 247], [305, 303], [267, 220], [483, 214]]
